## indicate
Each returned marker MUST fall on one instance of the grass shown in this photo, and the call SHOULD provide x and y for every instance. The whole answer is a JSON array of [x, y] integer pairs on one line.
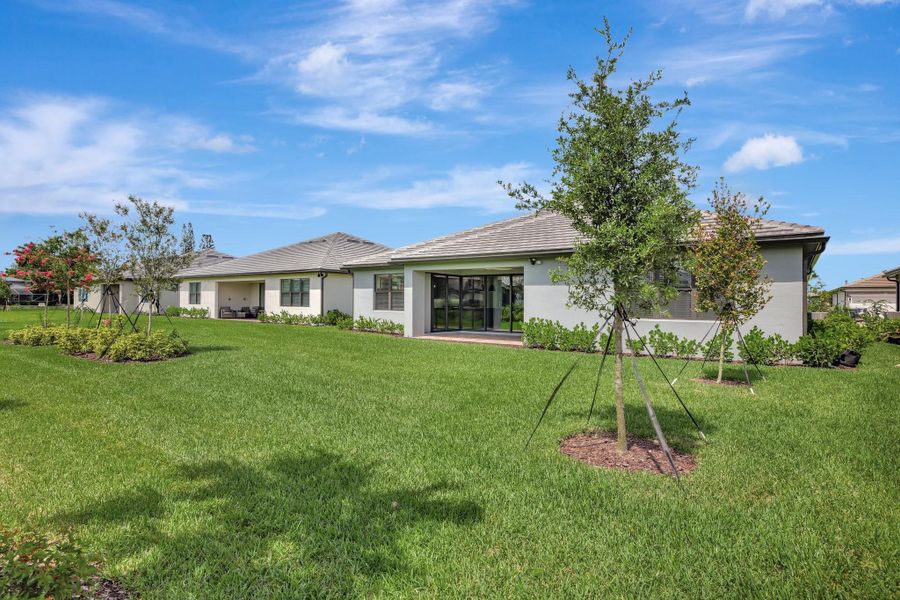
[[282, 462]]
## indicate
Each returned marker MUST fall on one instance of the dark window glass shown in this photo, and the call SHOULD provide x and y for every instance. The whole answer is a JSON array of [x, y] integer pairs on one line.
[[388, 292], [295, 292], [194, 292]]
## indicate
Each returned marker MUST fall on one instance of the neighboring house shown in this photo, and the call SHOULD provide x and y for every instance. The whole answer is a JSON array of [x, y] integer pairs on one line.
[[127, 295], [20, 295], [865, 292], [494, 277], [894, 275], [303, 278]]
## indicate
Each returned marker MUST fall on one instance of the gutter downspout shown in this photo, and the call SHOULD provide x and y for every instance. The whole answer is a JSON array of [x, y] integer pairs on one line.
[[322, 278], [807, 270]]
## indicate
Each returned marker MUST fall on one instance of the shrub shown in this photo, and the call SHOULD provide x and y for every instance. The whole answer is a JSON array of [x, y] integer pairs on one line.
[[541, 333], [77, 340], [378, 326], [840, 326], [33, 565], [142, 347], [345, 322], [664, 343], [190, 312], [579, 339], [332, 317], [757, 347], [686, 347], [819, 350], [36, 335]]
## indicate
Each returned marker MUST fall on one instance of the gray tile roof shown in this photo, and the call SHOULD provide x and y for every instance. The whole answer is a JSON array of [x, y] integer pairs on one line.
[[535, 233], [326, 253], [202, 258]]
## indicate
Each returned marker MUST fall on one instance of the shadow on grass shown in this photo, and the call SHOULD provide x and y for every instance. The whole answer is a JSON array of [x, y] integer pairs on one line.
[[210, 348], [298, 526], [11, 404], [677, 426], [730, 373]]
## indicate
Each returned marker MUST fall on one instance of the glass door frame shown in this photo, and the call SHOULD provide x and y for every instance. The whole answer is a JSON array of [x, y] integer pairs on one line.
[[511, 290]]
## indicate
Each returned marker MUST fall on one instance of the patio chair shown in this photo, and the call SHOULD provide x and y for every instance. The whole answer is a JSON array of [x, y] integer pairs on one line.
[[254, 312], [243, 312], [226, 313]]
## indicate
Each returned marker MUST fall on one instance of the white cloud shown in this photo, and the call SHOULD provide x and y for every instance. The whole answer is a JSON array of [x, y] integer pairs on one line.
[[471, 187], [451, 95], [62, 155], [764, 152], [876, 246], [731, 58], [370, 62], [777, 9], [335, 117]]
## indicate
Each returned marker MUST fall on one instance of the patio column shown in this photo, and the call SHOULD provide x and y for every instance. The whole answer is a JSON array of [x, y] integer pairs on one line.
[[415, 301]]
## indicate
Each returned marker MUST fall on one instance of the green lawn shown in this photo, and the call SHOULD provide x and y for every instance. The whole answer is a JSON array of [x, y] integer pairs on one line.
[[281, 462]]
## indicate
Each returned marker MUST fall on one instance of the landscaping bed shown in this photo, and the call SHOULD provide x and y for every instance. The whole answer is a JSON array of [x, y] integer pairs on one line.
[[598, 449]]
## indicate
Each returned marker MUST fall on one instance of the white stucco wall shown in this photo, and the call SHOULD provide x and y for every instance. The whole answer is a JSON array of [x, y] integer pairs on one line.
[[784, 314], [236, 292], [339, 293], [364, 296]]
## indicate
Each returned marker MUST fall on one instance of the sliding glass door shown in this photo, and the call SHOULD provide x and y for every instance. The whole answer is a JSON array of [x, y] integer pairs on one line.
[[477, 302]]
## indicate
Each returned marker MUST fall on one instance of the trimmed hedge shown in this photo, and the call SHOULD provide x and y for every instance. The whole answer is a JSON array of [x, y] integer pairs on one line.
[[187, 312], [822, 347], [106, 341]]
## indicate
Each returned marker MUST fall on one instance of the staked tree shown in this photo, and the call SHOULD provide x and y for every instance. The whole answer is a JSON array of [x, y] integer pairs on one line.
[[728, 265], [57, 265], [188, 243], [153, 251], [106, 241], [619, 177], [206, 242]]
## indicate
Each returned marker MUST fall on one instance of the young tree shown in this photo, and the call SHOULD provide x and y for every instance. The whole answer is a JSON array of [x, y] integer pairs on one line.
[[56, 265], [154, 254], [620, 179], [188, 243], [206, 242], [105, 239], [727, 263]]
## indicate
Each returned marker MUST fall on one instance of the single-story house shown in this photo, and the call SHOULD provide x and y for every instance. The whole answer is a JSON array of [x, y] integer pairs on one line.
[[894, 275], [304, 278], [863, 293], [20, 295], [495, 277], [127, 295]]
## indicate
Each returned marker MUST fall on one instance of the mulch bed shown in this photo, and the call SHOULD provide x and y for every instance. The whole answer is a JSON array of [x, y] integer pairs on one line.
[[598, 449], [106, 589]]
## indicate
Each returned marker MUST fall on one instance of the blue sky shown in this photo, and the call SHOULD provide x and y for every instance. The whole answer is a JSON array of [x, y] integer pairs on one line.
[[269, 123]]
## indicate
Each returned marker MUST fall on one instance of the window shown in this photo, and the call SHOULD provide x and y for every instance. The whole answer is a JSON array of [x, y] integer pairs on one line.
[[389, 292], [194, 292], [683, 305], [82, 294], [295, 292]]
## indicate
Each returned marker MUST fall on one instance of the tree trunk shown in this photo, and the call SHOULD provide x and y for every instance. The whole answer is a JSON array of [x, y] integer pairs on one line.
[[149, 317], [621, 440], [68, 308], [721, 355], [47, 310]]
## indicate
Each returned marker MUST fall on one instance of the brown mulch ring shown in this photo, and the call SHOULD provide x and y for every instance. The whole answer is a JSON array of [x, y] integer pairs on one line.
[[709, 381], [105, 589], [598, 449], [93, 356]]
